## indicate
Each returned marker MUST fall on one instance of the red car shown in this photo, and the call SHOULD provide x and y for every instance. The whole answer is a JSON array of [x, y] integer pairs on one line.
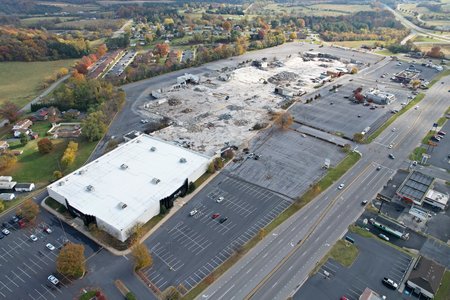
[[215, 216], [344, 298]]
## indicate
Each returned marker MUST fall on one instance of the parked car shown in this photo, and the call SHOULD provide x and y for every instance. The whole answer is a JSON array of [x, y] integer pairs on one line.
[[1, 235], [364, 202], [391, 156], [53, 279], [215, 216], [222, 220], [390, 283], [378, 168], [383, 236], [442, 132], [193, 212], [50, 247], [47, 230], [5, 231], [33, 238], [220, 199]]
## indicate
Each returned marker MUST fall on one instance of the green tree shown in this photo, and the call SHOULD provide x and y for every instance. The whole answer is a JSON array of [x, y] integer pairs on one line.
[[29, 210], [211, 168], [354, 70], [45, 146], [69, 155], [358, 137], [94, 126], [71, 261], [130, 296], [9, 111], [142, 257], [23, 139], [57, 175], [2, 206], [292, 36]]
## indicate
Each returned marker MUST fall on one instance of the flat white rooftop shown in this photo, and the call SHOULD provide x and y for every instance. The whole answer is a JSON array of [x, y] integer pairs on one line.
[[138, 173]]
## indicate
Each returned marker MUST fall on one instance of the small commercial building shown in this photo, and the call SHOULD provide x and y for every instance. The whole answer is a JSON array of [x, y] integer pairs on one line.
[[24, 187], [415, 187], [425, 277], [368, 294], [389, 190], [436, 199], [406, 76], [128, 185], [379, 97]]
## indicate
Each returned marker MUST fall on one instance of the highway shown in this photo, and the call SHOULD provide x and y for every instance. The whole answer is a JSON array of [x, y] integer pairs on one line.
[[280, 263]]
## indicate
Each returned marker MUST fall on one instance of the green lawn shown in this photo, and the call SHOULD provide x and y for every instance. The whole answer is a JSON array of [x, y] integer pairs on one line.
[[20, 82], [444, 290], [421, 38], [344, 253], [33, 166], [417, 154], [356, 44], [385, 52]]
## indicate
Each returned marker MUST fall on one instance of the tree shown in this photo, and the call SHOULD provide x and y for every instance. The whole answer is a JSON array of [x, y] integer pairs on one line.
[[416, 83], [71, 261], [23, 139], [9, 111], [435, 52], [292, 36], [57, 175], [101, 50], [301, 23], [69, 154], [262, 233], [346, 148], [142, 257], [2, 206], [211, 168], [162, 49], [94, 126], [284, 120], [358, 137], [171, 293], [130, 296], [29, 210], [354, 70], [45, 146], [62, 72], [7, 160], [227, 26]]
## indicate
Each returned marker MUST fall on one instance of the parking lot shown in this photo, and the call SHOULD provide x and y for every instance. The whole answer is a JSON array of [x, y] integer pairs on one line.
[[334, 112], [121, 64], [26, 264], [440, 154], [375, 261], [247, 207], [289, 161]]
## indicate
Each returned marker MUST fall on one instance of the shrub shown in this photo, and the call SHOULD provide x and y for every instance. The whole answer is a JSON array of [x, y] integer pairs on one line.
[[45, 146]]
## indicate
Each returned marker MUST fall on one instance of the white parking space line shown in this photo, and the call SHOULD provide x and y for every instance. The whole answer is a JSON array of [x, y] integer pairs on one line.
[[24, 272], [7, 277], [5, 286], [13, 249], [32, 261], [30, 268], [7, 252], [37, 256], [48, 290], [40, 295], [18, 276]]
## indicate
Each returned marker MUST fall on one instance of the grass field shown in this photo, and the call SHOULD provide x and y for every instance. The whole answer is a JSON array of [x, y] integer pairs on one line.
[[344, 253], [20, 82], [443, 292], [426, 39], [33, 21], [355, 44], [318, 9], [385, 52]]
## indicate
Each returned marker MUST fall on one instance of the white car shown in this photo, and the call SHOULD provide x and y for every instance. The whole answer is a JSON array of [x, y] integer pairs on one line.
[[341, 186], [50, 247], [220, 199], [393, 129], [384, 237], [53, 279], [390, 146], [33, 238], [5, 231], [193, 212]]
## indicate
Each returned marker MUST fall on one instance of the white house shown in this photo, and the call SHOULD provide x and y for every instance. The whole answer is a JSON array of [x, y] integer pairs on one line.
[[24, 187]]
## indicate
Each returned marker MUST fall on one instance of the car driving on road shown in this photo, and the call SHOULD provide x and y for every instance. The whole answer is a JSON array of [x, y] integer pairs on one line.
[[341, 186]]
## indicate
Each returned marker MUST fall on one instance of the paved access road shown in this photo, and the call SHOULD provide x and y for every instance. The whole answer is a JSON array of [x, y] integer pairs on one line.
[[281, 262]]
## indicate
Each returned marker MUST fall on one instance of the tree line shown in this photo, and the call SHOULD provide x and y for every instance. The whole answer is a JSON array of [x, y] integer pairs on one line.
[[36, 45]]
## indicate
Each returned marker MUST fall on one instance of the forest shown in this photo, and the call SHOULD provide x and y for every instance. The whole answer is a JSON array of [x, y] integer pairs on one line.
[[37, 45]]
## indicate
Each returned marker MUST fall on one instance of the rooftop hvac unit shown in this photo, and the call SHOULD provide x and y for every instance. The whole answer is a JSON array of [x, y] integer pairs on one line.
[[156, 180], [81, 172], [153, 149], [124, 166], [122, 205], [89, 188], [61, 183], [183, 160]]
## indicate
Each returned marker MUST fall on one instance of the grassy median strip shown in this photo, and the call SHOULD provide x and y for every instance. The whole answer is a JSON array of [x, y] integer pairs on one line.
[[417, 154], [377, 132], [439, 77], [332, 176]]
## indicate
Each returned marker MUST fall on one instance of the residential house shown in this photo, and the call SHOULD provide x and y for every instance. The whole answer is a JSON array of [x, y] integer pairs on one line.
[[71, 114], [22, 126], [3, 146], [53, 114], [174, 56], [7, 196], [41, 114]]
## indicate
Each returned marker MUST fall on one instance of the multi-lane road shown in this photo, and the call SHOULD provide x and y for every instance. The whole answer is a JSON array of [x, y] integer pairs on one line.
[[279, 265]]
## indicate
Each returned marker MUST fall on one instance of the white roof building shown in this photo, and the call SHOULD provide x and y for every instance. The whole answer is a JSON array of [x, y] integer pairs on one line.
[[436, 199], [127, 185]]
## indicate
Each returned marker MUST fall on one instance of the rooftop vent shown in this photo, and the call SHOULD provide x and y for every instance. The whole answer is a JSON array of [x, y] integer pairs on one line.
[[81, 172], [122, 205], [156, 180], [124, 166], [61, 183], [153, 149], [89, 188], [183, 160]]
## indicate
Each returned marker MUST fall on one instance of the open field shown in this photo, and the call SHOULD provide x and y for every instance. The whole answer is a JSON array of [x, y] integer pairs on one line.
[[20, 82], [445, 48], [426, 39], [319, 9], [34, 20], [444, 290], [356, 44]]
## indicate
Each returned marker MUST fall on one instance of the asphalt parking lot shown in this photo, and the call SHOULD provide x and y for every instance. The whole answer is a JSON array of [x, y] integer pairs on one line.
[[439, 155], [26, 264], [375, 261], [289, 161], [335, 114], [247, 207], [123, 62]]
